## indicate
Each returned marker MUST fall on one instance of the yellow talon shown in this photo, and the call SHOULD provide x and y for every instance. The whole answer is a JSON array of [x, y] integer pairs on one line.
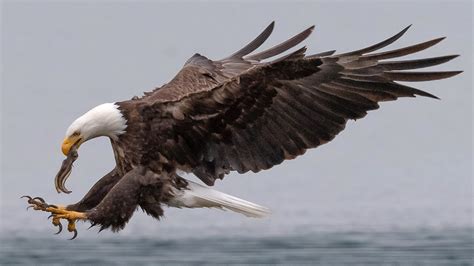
[[58, 213], [70, 216]]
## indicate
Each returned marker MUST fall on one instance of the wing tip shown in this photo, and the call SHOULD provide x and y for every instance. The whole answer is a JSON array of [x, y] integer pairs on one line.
[[282, 47], [255, 43], [307, 32], [449, 74], [420, 76], [378, 45], [437, 40], [429, 95], [405, 29], [456, 72], [451, 57], [271, 25]]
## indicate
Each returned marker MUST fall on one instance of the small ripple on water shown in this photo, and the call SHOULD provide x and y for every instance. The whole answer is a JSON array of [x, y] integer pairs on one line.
[[436, 247]]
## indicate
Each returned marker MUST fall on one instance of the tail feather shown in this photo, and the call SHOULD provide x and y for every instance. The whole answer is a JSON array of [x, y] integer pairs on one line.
[[199, 196]]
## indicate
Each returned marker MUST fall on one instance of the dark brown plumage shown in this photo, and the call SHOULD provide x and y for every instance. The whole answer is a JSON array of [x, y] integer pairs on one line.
[[243, 114]]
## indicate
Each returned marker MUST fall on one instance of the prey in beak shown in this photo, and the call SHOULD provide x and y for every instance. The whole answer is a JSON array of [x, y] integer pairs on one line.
[[66, 167]]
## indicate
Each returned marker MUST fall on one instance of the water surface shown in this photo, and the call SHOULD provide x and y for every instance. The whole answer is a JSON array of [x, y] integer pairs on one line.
[[422, 247]]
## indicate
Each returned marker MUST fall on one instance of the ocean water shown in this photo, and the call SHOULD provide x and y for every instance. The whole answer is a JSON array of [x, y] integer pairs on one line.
[[421, 247]]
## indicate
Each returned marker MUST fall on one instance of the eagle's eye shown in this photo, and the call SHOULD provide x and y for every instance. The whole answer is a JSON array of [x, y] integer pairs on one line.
[[75, 134]]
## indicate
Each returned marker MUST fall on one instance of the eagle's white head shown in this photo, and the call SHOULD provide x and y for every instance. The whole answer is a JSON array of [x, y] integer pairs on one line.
[[102, 120]]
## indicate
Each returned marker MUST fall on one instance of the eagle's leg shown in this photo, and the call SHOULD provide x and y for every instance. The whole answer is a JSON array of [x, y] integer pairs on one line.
[[96, 194], [89, 201], [119, 204], [75, 212]]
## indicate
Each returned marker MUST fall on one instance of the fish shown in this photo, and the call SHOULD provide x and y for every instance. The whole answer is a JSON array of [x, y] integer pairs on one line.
[[65, 170]]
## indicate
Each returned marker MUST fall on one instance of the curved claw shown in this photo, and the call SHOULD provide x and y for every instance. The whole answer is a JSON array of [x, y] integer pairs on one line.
[[51, 215], [51, 206], [31, 206], [60, 228], [75, 234], [40, 199], [28, 197]]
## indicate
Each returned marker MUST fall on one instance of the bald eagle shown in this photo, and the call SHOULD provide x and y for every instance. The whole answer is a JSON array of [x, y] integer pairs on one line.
[[246, 112]]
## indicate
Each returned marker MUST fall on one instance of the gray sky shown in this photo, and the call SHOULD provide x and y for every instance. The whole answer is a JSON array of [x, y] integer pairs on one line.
[[407, 165]]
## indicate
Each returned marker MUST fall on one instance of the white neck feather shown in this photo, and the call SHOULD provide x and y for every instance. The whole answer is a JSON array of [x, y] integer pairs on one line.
[[102, 120]]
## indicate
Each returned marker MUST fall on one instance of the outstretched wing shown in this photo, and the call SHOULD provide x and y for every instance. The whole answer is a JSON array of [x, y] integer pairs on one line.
[[199, 74], [243, 114]]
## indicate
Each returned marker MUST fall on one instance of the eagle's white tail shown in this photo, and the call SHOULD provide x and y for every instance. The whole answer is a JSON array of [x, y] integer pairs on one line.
[[199, 196]]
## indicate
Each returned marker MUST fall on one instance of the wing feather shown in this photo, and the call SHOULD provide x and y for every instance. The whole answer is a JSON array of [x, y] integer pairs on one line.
[[417, 63], [420, 76], [379, 45], [282, 47], [403, 51], [257, 42]]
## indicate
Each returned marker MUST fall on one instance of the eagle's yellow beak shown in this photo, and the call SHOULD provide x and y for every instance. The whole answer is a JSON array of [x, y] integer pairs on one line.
[[69, 142]]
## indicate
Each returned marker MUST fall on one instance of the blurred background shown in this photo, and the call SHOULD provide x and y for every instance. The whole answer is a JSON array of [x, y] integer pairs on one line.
[[394, 186]]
